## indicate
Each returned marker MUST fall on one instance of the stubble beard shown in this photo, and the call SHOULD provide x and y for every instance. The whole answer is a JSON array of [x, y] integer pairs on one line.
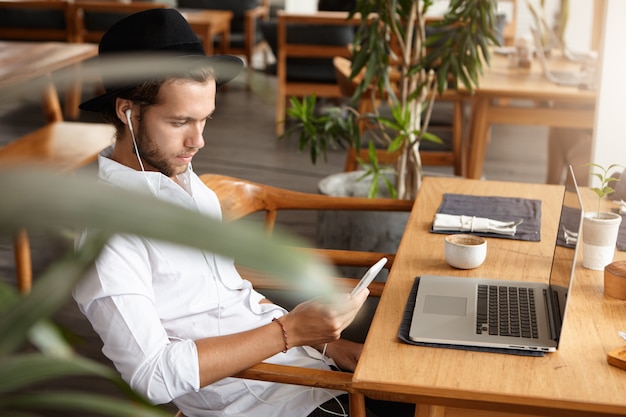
[[149, 152]]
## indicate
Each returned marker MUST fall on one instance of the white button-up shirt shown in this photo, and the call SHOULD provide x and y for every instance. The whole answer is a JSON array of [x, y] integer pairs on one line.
[[149, 300]]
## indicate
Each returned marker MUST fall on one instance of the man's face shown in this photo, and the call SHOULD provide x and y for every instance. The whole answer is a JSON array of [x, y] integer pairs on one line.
[[169, 133]]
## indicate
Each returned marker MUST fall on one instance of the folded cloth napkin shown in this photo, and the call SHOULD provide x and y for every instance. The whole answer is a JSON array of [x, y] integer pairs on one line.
[[452, 222], [499, 208]]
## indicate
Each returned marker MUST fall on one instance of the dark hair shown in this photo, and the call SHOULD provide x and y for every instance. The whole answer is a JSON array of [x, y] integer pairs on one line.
[[146, 93]]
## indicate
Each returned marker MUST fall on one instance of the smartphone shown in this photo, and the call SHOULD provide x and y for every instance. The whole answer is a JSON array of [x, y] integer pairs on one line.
[[369, 276]]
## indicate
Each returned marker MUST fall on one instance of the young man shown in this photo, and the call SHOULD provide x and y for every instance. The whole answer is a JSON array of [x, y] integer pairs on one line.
[[175, 321]]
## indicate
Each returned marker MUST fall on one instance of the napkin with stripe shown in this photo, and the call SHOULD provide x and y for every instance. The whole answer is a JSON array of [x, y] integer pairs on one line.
[[504, 209], [450, 222]]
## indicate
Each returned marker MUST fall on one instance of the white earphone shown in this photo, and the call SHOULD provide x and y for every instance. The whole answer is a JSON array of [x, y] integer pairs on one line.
[[130, 123], [128, 114]]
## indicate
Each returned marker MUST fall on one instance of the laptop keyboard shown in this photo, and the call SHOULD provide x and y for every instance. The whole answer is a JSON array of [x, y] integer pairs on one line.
[[506, 311]]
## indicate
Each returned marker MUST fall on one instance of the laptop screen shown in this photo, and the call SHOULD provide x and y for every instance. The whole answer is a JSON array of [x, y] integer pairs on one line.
[[566, 248]]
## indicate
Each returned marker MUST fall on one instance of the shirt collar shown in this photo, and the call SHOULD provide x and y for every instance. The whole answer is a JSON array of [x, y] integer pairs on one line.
[[125, 177]]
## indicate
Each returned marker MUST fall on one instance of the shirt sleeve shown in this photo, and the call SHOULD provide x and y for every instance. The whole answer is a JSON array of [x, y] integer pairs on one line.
[[116, 297]]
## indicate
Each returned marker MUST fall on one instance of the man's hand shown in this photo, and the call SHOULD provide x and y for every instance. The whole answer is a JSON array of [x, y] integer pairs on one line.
[[320, 321], [345, 353]]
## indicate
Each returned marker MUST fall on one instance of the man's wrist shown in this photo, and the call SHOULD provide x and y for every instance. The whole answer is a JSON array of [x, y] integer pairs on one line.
[[284, 333]]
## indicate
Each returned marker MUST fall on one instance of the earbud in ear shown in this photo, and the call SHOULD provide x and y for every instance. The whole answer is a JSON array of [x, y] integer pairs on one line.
[[130, 123]]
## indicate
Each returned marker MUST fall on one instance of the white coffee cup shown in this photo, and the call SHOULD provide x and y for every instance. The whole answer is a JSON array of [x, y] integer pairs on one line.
[[465, 251]]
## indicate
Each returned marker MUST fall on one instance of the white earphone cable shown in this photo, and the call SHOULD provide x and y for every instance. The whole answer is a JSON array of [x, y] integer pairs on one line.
[[132, 134], [343, 412]]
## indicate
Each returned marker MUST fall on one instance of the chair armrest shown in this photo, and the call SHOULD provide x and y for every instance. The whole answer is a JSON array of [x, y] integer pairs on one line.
[[263, 282], [299, 376], [353, 258], [261, 12], [320, 18]]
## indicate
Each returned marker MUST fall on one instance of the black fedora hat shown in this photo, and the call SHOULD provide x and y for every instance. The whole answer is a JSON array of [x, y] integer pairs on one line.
[[152, 44]]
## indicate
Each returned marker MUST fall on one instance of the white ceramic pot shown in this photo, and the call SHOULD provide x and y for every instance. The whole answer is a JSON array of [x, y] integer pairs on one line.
[[599, 239]]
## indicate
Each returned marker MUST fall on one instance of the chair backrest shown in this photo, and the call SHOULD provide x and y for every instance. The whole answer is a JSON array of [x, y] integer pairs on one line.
[[238, 7], [305, 47], [239, 198], [245, 36], [93, 18], [50, 20]]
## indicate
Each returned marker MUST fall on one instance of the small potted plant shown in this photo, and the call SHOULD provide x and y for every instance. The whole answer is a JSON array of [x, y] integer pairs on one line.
[[600, 228]]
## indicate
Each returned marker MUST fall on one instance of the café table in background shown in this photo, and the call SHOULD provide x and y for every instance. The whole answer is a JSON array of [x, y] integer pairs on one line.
[[22, 63], [210, 23], [522, 96]]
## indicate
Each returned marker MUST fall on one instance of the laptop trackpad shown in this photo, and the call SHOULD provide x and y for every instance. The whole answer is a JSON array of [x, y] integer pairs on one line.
[[443, 304]]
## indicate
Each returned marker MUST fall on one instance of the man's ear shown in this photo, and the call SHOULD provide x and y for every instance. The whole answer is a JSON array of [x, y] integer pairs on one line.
[[122, 105]]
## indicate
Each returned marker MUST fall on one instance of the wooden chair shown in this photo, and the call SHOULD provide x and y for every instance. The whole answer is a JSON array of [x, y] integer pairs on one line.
[[93, 18], [245, 37], [37, 20], [449, 122], [240, 198], [306, 45]]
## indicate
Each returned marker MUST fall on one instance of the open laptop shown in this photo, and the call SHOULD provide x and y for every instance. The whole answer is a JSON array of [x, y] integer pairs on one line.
[[461, 311]]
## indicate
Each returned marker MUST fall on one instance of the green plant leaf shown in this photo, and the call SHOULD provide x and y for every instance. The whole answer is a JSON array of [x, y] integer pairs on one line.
[[77, 401], [52, 290], [40, 199], [20, 371], [49, 340]]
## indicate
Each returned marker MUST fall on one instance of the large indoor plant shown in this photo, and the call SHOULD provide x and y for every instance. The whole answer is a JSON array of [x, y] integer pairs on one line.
[[393, 34]]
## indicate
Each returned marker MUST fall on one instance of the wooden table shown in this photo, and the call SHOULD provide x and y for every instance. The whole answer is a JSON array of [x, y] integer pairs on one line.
[[63, 145], [522, 97], [574, 381], [24, 62], [209, 23]]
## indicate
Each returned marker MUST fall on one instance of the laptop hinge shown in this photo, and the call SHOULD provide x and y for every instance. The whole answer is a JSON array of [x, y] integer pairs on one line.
[[554, 312]]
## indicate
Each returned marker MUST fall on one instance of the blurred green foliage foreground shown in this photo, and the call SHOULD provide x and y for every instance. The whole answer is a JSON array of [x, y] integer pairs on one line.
[[40, 200]]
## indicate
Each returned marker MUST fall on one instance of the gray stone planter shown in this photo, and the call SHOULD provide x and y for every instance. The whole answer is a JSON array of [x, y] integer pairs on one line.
[[357, 230]]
